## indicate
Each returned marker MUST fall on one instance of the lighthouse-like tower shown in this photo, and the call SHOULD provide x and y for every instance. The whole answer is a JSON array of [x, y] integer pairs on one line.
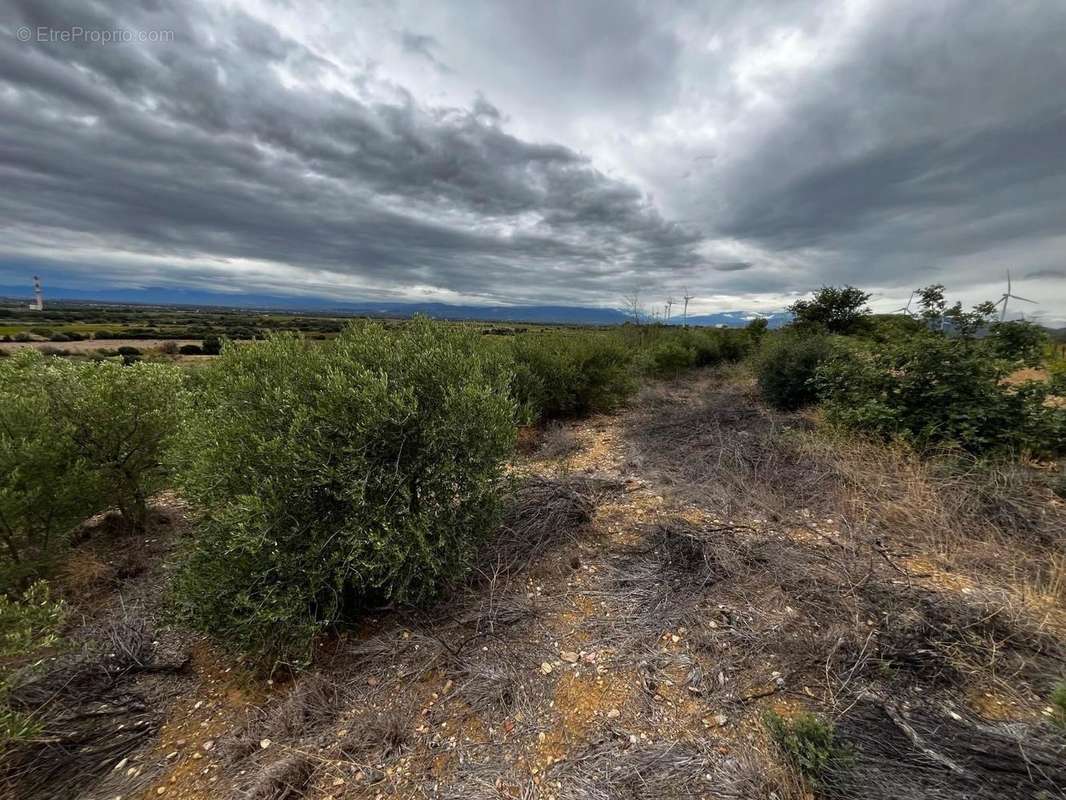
[[38, 298]]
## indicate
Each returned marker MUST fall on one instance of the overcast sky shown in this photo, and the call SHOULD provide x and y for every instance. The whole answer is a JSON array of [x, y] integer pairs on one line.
[[537, 152]]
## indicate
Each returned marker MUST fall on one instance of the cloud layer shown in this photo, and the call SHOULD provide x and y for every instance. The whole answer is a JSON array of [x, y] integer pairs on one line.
[[548, 152]]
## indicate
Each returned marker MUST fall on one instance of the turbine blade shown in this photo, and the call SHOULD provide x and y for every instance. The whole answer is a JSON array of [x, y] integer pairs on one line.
[[1023, 299]]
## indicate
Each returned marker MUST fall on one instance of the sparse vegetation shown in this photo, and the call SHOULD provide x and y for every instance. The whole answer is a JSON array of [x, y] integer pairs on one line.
[[810, 744], [1058, 702], [29, 621]]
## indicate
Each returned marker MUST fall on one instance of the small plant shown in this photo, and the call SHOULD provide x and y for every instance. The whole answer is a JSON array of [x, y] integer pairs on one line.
[[811, 745], [15, 727], [30, 620], [1058, 701]]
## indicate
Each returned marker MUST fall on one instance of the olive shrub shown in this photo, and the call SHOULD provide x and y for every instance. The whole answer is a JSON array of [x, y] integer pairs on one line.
[[330, 474]]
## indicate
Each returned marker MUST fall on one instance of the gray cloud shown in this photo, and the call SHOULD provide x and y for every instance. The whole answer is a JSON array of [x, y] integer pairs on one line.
[[559, 152]]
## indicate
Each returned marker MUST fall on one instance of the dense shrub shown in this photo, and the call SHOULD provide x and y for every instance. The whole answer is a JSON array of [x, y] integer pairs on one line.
[[841, 310], [757, 328], [670, 357], [559, 375], [46, 485], [734, 344], [212, 346], [75, 438], [122, 420], [932, 389], [710, 346], [786, 367], [191, 350], [326, 474], [1017, 341]]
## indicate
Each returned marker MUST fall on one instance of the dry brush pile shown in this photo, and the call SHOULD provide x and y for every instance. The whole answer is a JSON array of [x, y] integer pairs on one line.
[[887, 593]]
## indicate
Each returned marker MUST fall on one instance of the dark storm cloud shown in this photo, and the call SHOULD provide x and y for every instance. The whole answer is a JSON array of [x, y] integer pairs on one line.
[[523, 151], [939, 135], [201, 147]]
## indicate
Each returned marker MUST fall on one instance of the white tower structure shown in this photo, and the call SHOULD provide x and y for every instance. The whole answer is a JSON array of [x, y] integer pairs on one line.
[[38, 298]]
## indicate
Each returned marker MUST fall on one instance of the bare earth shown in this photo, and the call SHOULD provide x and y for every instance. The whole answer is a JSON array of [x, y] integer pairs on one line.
[[92, 345]]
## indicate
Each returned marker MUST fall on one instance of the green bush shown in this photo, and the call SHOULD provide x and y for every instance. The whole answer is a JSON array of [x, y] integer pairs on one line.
[[811, 745], [122, 419], [734, 344], [786, 367], [212, 346], [841, 310], [561, 375], [757, 328], [670, 357], [191, 350], [932, 390], [75, 438], [46, 485], [330, 473], [29, 621], [711, 346], [1017, 341]]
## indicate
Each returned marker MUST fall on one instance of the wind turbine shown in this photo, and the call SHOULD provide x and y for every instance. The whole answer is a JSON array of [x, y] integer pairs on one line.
[[669, 305], [687, 297], [907, 308], [1008, 295]]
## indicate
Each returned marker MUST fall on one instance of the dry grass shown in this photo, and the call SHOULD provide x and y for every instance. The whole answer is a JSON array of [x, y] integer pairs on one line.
[[93, 710], [559, 442]]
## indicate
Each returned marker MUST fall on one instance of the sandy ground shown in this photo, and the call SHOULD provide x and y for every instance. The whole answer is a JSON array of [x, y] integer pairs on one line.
[[92, 345]]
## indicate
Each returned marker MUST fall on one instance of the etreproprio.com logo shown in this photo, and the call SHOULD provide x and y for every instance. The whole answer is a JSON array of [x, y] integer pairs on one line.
[[79, 35]]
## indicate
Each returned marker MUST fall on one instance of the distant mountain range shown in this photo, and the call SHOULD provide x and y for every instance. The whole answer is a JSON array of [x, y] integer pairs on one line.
[[566, 315]]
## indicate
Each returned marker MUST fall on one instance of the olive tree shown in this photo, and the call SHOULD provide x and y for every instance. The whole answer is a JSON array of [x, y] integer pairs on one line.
[[329, 473]]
